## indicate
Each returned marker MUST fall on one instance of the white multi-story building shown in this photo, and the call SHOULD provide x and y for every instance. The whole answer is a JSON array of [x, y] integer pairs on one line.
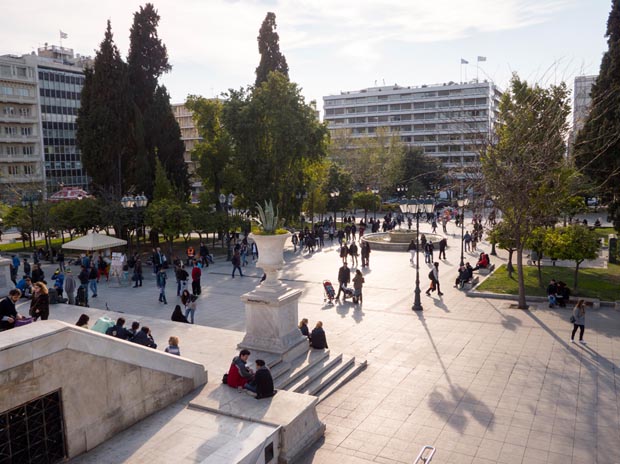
[[39, 100], [582, 101], [21, 154], [448, 121], [189, 136]]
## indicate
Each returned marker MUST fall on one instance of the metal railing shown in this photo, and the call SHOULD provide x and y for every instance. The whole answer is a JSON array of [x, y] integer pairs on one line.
[[421, 458]]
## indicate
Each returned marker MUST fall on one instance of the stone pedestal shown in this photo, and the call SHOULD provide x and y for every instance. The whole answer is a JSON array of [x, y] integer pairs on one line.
[[5, 277], [271, 323]]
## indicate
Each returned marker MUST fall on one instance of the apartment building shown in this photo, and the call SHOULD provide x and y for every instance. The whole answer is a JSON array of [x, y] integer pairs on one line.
[[189, 135], [449, 121], [40, 99], [582, 100], [21, 154]]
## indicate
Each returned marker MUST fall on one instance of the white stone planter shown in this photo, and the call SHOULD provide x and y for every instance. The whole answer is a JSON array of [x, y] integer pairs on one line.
[[270, 256]]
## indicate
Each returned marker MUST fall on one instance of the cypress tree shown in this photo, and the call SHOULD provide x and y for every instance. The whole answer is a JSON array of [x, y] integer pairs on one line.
[[103, 118], [597, 150], [269, 48]]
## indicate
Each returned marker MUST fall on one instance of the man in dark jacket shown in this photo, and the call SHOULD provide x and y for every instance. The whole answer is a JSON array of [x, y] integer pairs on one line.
[[118, 330], [344, 277], [8, 313], [443, 243], [144, 338], [262, 384]]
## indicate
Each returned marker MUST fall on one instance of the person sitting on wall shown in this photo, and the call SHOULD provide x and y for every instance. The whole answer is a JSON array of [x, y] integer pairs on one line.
[[239, 374], [483, 262], [262, 384]]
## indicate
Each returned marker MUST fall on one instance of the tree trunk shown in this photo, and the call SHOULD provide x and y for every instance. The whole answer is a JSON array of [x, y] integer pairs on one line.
[[521, 278], [576, 280], [509, 266]]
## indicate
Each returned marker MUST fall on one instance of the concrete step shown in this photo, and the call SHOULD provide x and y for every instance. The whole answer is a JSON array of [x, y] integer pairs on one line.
[[316, 372], [298, 367], [328, 376], [354, 371]]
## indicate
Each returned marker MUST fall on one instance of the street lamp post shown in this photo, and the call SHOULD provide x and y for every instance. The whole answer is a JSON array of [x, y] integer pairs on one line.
[[334, 195], [375, 191], [462, 202], [136, 204], [418, 206], [31, 199]]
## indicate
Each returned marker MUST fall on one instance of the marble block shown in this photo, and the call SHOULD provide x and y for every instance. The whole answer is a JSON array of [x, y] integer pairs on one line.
[[271, 323], [5, 277]]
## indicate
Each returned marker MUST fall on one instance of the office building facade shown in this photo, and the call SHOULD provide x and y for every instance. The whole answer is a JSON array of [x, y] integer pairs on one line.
[[190, 137], [21, 154], [448, 121], [582, 101]]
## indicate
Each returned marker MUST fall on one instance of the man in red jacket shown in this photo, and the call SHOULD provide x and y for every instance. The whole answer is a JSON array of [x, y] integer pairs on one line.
[[196, 274], [239, 374]]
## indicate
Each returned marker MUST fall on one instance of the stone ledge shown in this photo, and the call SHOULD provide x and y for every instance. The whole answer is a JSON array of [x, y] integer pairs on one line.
[[295, 413]]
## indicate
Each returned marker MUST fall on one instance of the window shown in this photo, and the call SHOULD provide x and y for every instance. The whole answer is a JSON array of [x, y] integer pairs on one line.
[[6, 90], [28, 169], [24, 111], [10, 130], [11, 150], [8, 110], [27, 150], [26, 130], [5, 70], [21, 72], [34, 431], [13, 170]]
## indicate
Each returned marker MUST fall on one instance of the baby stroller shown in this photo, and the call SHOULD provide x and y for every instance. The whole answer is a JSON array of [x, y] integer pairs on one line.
[[328, 292]]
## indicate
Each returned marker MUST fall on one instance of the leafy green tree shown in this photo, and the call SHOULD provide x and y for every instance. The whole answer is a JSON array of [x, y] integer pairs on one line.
[[104, 118], [271, 59], [525, 166], [163, 189], [536, 243], [19, 218], [274, 134], [215, 151], [597, 151], [421, 172], [575, 243], [338, 180], [501, 234], [366, 201], [170, 218]]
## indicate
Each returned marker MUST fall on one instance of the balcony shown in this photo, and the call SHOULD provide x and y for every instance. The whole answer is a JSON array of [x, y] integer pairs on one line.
[[17, 138], [17, 99], [18, 119]]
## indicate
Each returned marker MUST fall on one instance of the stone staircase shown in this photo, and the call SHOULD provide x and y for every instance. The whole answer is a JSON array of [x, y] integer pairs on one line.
[[316, 372]]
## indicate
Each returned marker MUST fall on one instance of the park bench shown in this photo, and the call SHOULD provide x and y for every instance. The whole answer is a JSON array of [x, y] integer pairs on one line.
[[471, 283], [486, 270]]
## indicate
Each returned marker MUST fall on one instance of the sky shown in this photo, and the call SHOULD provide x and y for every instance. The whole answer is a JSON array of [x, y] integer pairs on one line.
[[333, 46]]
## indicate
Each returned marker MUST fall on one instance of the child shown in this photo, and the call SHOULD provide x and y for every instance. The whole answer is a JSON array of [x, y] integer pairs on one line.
[[173, 346]]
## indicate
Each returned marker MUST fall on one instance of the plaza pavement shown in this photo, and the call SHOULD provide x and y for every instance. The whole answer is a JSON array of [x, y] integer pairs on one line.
[[476, 379]]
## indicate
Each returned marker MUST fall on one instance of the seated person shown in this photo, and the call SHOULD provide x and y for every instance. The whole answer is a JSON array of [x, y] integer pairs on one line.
[[239, 374], [463, 276], [318, 339], [597, 223], [8, 313], [470, 271], [552, 290], [483, 262], [303, 327], [144, 337], [262, 384], [563, 294], [25, 286]]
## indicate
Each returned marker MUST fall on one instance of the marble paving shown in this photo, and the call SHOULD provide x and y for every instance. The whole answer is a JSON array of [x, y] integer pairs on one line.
[[479, 381]]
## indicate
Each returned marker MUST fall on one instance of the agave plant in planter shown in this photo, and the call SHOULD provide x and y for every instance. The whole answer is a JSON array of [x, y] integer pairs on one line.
[[270, 240]]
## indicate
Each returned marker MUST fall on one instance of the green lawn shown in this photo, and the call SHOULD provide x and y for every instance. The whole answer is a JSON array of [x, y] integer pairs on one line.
[[603, 232], [593, 283], [18, 246]]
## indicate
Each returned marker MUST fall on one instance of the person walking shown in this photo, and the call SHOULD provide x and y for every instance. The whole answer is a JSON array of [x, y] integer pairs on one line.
[[70, 286], [579, 321], [443, 244], [236, 263], [137, 272], [92, 279], [344, 277], [433, 276], [358, 283], [83, 278], [365, 254], [353, 252], [196, 275], [161, 284], [189, 301]]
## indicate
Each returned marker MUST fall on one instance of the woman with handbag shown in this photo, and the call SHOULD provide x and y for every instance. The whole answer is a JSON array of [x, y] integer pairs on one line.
[[579, 320]]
